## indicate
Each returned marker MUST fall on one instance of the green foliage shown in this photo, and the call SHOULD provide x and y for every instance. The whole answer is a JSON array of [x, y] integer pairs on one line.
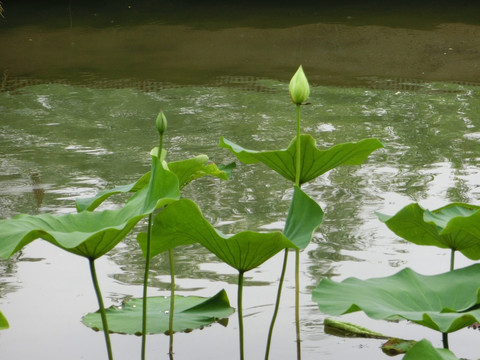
[[3, 322], [314, 162], [425, 300], [90, 234], [455, 226], [304, 217], [185, 170], [182, 223], [191, 312], [424, 350]]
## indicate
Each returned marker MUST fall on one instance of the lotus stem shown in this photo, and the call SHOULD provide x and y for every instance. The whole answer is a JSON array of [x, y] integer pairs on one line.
[[298, 149], [277, 305], [172, 300], [101, 307], [445, 340], [297, 303], [240, 312], [297, 251], [145, 286], [452, 260]]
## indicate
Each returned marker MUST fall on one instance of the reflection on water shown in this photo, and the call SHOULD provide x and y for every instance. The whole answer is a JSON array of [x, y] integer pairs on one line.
[[60, 142]]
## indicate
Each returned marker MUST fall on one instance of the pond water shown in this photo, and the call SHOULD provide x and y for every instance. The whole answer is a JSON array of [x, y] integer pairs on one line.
[[77, 110]]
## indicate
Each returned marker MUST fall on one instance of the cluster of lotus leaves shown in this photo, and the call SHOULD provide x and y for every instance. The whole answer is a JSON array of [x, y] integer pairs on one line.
[[445, 302]]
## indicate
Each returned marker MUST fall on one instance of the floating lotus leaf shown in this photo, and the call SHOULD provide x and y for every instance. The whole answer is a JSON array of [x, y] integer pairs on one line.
[[455, 226], [3, 322], [424, 350], [445, 302], [182, 222], [191, 312], [90, 234], [185, 170], [315, 162]]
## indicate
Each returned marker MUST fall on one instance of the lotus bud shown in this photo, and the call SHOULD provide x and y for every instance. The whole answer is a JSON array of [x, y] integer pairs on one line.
[[161, 123], [299, 88]]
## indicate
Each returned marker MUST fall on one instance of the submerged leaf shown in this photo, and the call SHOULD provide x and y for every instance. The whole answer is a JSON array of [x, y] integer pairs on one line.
[[425, 300], [3, 322], [191, 312], [315, 162], [424, 350], [304, 217], [455, 226], [345, 329], [90, 234], [396, 346], [182, 222]]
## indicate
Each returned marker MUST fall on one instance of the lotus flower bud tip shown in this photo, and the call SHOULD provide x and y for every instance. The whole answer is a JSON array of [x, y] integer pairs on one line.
[[161, 123], [299, 88]]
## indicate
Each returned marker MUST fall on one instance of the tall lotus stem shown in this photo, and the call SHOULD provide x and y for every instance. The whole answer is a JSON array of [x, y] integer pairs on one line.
[[172, 300], [103, 315], [240, 313], [161, 124], [277, 303], [145, 286], [299, 93]]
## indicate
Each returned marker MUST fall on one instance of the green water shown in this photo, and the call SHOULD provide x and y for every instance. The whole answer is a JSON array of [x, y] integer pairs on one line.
[[60, 142], [81, 86]]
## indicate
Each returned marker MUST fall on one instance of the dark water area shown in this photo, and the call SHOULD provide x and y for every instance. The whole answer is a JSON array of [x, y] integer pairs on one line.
[[192, 42]]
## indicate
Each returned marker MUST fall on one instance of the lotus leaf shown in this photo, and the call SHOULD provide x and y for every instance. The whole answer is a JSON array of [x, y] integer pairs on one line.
[[185, 170], [304, 216], [182, 223], [90, 234], [455, 226], [191, 312], [445, 302], [3, 322], [315, 162], [424, 350]]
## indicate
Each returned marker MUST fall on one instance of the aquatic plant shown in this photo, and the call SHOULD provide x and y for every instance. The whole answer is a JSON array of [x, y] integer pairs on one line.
[[301, 162]]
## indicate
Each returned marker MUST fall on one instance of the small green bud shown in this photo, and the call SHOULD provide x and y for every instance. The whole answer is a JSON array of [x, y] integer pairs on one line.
[[299, 88], [161, 123]]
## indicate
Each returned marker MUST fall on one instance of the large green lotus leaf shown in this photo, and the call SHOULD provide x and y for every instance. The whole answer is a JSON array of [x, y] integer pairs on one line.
[[304, 217], [424, 350], [315, 162], [440, 302], [90, 234], [455, 226], [185, 170], [191, 312], [3, 322], [183, 223]]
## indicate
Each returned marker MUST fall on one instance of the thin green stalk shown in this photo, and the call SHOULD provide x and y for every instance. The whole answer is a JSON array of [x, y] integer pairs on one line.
[[298, 149], [452, 260], [172, 300], [297, 251], [240, 312], [277, 305], [103, 315], [145, 286], [297, 302], [445, 340]]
